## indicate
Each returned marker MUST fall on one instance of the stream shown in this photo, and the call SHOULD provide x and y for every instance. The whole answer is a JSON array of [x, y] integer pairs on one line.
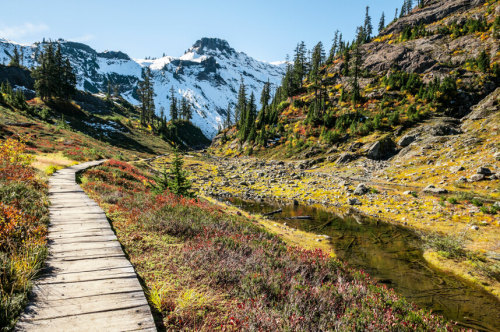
[[391, 255]]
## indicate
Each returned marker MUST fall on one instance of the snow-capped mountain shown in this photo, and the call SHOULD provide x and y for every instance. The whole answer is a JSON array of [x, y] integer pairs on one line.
[[208, 74]]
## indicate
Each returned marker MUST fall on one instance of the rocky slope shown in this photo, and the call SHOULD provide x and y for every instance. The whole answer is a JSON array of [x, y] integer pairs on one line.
[[208, 75], [422, 154]]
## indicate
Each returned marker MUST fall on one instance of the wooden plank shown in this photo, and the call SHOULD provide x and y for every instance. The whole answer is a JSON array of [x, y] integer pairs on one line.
[[89, 285]]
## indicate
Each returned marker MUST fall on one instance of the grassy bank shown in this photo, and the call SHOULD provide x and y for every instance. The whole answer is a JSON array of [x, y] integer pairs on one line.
[[23, 228], [207, 269]]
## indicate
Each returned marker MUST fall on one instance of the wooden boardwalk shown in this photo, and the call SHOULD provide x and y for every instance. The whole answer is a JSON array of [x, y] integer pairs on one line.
[[89, 285]]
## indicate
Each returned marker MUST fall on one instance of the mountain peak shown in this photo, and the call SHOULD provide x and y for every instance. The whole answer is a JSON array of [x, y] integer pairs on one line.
[[212, 44]]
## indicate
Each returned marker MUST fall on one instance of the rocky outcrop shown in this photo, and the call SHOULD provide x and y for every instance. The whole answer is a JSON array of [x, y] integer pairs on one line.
[[383, 56], [486, 107], [433, 11], [381, 149]]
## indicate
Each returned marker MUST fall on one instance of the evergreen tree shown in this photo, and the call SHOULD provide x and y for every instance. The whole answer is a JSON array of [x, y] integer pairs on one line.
[[186, 111], [250, 113], [241, 104], [15, 59], [265, 96], [299, 66], [356, 96], [146, 96], [367, 28], [409, 6], [316, 62], [347, 59], [381, 24], [396, 15], [68, 80], [178, 184], [54, 77], [173, 105], [228, 123], [335, 45]]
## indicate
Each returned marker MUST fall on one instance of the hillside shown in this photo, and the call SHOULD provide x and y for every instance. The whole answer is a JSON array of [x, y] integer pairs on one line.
[[207, 74], [418, 146]]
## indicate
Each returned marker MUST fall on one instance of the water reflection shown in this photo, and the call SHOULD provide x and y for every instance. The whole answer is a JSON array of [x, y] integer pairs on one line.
[[392, 255]]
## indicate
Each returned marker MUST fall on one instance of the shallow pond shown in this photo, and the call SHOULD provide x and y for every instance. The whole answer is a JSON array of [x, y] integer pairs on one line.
[[391, 255]]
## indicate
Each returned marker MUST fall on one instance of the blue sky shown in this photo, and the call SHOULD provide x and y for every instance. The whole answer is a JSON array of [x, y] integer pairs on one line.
[[264, 29]]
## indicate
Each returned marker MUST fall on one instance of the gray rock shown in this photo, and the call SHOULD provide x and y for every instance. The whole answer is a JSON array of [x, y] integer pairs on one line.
[[497, 156], [382, 149], [486, 107], [496, 205], [344, 158], [433, 190], [477, 177], [407, 139], [484, 171], [475, 228], [354, 201], [409, 192], [361, 189], [455, 169]]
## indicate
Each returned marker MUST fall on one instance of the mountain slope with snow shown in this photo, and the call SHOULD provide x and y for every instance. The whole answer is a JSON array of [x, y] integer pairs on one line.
[[208, 75]]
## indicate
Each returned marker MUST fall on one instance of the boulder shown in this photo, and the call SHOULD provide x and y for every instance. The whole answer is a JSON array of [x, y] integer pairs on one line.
[[345, 157], [477, 177], [455, 169], [485, 107], [381, 149], [484, 171], [354, 201], [407, 139], [361, 189], [433, 190]]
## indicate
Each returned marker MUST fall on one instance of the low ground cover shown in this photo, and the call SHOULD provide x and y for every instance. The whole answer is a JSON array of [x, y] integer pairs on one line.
[[206, 269], [23, 228]]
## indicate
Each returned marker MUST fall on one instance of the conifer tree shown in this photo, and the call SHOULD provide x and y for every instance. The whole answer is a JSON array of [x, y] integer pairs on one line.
[[54, 76], [146, 96], [241, 105], [335, 45], [347, 59], [356, 70], [381, 24], [316, 62], [15, 59], [173, 105], [265, 95], [178, 184], [396, 14], [228, 123], [367, 28], [250, 113], [299, 66]]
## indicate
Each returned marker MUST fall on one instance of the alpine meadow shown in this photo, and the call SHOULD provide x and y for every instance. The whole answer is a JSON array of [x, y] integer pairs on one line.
[[352, 185]]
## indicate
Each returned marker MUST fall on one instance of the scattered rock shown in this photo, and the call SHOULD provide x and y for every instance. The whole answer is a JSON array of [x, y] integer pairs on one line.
[[484, 171], [477, 177], [476, 228], [361, 189], [407, 139], [433, 190], [455, 169], [345, 157], [496, 205], [354, 201], [382, 149], [409, 192], [497, 156]]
